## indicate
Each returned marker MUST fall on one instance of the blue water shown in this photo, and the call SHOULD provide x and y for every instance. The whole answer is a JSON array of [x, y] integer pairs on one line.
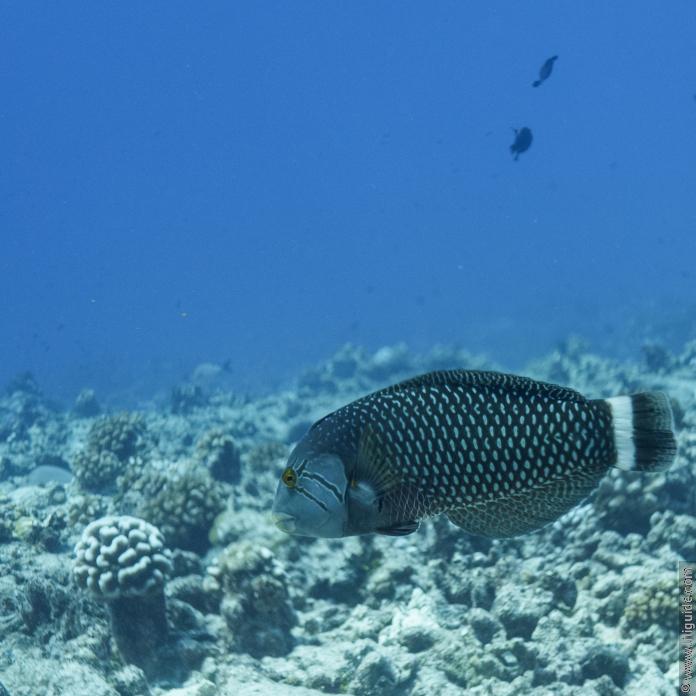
[[261, 182]]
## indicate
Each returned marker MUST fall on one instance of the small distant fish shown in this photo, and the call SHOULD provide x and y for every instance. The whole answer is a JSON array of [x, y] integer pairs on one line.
[[545, 71], [500, 455], [46, 474], [523, 141]]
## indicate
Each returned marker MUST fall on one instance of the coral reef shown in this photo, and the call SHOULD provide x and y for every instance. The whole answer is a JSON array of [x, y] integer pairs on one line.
[[120, 557], [256, 604], [118, 434], [95, 469], [123, 561], [183, 504], [187, 397], [264, 457], [218, 452], [110, 443], [653, 605], [586, 605], [86, 404]]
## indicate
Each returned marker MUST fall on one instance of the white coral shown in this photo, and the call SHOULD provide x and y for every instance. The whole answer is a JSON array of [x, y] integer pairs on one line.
[[121, 557]]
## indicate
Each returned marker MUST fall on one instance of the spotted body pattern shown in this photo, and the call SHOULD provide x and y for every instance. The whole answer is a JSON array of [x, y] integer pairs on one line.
[[499, 454], [459, 441]]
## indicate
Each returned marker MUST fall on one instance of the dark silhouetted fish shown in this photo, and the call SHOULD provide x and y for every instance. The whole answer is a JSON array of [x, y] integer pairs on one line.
[[500, 455], [545, 71], [523, 141]]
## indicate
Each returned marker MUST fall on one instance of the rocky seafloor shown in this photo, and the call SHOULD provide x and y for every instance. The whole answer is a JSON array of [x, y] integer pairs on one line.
[[588, 605]]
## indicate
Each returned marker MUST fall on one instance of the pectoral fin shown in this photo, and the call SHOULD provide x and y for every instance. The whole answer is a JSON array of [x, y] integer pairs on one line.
[[374, 465]]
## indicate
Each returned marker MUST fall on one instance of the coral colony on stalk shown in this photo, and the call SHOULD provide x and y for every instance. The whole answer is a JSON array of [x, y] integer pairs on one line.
[[123, 562]]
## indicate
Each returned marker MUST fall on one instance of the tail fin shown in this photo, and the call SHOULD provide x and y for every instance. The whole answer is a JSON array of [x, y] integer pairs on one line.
[[643, 431], [536, 83]]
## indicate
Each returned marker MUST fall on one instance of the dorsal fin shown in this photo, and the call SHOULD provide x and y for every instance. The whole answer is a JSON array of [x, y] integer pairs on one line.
[[525, 385], [485, 378], [321, 420]]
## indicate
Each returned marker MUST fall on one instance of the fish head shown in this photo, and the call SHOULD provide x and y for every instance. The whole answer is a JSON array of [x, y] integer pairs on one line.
[[311, 496]]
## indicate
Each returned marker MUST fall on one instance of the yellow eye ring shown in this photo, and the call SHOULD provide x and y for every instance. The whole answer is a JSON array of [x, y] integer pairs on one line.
[[289, 477]]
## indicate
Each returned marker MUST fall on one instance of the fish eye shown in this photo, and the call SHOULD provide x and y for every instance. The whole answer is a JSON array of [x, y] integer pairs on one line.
[[289, 477]]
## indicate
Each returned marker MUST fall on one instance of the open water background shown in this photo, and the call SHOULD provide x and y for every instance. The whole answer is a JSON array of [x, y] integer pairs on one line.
[[261, 182]]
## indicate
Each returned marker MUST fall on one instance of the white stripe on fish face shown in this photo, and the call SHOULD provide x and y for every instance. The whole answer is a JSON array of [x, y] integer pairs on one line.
[[339, 494]]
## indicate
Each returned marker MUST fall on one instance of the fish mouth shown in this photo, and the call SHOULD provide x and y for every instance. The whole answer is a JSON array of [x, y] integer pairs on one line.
[[284, 522]]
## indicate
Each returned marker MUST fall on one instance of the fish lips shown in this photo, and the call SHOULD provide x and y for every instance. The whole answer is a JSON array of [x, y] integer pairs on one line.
[[284, 522]]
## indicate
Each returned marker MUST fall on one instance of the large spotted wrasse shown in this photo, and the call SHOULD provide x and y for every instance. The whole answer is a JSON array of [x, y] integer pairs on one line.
[[500, 455]]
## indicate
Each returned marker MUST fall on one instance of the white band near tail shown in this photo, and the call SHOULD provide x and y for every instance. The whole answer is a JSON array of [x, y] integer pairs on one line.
[[622, 418]]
